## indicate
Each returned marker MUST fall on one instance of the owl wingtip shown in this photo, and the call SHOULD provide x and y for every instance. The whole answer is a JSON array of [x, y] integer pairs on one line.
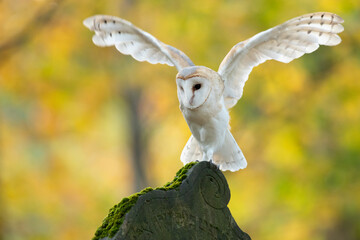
[[339, 19], [89, 23]]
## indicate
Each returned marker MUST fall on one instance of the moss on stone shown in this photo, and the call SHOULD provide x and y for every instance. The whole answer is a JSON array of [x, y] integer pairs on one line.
[[115, 218]]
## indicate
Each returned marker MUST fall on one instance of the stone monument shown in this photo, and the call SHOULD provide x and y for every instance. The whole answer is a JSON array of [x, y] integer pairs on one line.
[[191, 207]]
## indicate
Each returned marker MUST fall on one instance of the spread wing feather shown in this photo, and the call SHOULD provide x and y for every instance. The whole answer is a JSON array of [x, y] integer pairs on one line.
[[283, 43], [130, 40]]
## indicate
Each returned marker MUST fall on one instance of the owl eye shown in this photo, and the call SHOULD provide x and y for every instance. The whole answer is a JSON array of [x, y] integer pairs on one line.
[[197, 86], [181, 88]]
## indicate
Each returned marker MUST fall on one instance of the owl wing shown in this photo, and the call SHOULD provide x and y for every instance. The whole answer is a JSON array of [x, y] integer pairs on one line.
[[283, 43], [133, 41]]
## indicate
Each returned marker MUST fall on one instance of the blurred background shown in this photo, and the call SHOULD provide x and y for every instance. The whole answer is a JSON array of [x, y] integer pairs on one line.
[[81, 127]]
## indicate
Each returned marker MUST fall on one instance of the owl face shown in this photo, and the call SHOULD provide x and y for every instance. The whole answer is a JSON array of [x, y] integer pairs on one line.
[[194, 85]]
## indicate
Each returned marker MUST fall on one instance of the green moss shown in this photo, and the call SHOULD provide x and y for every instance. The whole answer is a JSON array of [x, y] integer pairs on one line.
[[115, 218]]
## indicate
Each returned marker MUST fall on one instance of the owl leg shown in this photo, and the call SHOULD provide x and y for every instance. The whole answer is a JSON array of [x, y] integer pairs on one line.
[[208, 155]]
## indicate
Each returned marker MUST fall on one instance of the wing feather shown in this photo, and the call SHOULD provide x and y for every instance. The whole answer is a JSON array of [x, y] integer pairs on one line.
[[130, 40], [282, 43]]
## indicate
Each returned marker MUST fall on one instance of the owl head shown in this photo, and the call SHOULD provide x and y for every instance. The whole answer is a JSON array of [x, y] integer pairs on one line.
[[197, 85]]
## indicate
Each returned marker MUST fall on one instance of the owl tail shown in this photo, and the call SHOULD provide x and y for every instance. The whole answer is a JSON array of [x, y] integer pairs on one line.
[[228, 157], [191, 152]]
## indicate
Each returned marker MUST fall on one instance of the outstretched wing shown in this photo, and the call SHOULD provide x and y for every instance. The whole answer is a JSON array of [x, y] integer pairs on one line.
[[283, 43], [130, 40]]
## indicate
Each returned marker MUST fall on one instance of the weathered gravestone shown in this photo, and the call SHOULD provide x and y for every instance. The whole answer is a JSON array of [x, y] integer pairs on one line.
[[192, 206]]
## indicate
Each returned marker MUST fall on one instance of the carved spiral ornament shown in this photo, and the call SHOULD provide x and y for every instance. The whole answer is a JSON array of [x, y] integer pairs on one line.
[[214, 190]]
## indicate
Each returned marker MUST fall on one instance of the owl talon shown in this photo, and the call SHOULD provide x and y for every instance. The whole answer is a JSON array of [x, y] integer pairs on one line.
[[212, 162]]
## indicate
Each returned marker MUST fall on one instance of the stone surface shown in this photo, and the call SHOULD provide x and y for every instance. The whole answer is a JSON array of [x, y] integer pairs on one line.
[[195, 209]]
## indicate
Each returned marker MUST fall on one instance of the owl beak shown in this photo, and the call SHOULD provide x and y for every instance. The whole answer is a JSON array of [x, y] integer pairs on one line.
[[190, 101], [190, 98]]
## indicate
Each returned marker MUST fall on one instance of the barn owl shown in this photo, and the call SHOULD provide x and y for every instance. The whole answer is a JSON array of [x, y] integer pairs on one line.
[[205, 95]]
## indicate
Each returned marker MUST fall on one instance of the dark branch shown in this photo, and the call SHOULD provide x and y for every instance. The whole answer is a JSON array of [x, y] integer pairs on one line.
[[40, 19]]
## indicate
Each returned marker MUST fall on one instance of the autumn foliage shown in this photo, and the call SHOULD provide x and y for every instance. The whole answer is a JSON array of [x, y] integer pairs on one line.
[[66, 118]]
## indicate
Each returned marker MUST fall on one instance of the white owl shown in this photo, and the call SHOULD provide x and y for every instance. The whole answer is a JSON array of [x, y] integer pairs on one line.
[[206, 95]]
